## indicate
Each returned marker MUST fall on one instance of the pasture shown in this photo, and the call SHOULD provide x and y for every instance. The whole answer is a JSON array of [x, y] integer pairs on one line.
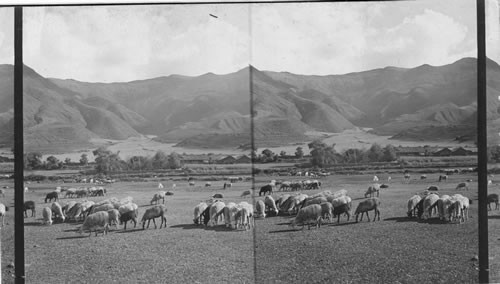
[[394, 249]]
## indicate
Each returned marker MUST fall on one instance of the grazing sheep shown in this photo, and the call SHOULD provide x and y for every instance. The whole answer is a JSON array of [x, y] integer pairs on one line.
[[246, 193], [198, 212], [114, 217], [29, 205], [311, 201], [155, 212], [459, 209], [86, 205], [70, 192], [260, 209], [342, 209], [218, 195], [443, 178], [191, 183], [75, 211], [371, 191], [160, 185], [47, 216], [206, 215], [375, 178], [268, 188], [95, 221], [68, 206], [492, 198], [215, 208], [157, 196], [462, 185], [227, 185], [433, 188], [128, 216], [103, 207], [207, 184], [169, 193], [423, 177], [3, 209], [429, 201], [336, 202], [52, 195], [58, 212], [339, 193], [442, 205], [308, 215], [281, 200], [2, 192], [384, 185], [326, 211], [229, 212], [368, 205], [129, 207], [242, 218], [270, 205], [412, 205]]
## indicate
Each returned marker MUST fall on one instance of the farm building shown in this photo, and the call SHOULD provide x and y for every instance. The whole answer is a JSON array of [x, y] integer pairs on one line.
[[244, 159], [227, 160], [195, 159], [460, 151], [443, 152]]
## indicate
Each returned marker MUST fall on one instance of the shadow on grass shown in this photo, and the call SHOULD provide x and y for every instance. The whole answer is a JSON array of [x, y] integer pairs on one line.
[[339, 224], [222, 228], [286, 231], [402, 219], [494, 217], [34, 223], [71, 230], [74, 237], [129, 231], [188, 226]]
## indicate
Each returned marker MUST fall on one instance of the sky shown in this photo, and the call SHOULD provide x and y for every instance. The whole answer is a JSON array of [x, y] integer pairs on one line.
[[125, 43]]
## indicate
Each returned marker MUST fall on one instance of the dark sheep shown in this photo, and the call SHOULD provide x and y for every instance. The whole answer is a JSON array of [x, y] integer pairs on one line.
[[206, 216], [492, 198], [265, 189], [128, 216], [433, 188], [368, 205], [342, 209], [52, 195], [218, 195], [29, 205]]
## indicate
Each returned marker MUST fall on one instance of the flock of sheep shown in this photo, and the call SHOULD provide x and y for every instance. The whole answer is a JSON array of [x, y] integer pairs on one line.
[[448, 208], [98, 215]]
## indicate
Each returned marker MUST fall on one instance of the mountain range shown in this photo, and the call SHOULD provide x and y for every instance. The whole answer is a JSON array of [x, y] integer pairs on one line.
[[426, 103]]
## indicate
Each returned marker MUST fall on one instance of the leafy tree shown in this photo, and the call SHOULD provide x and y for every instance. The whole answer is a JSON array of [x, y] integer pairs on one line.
[[33, 160], [67, 161], [84, 160], [375, 153], [140, 163], [53, 163], [268, 156], [322, 154], [160, 160], [282, 153], [493, 154], [107, 161], [299, 153], [390, 153], [354, 156], [174, 161]]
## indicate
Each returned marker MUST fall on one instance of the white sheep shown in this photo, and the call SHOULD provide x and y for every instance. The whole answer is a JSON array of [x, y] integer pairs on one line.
[[3, 209], [103, 207], [198, 210], [368, 205], [114, 217], [128, 208], [260, 209], [153, 213], [412, 205], [429, 201], [58, 212], [308, 215], [339, 201], [214, 209], [157, 196], [326, 211], [47, 216], [271, 204], [95, 221]]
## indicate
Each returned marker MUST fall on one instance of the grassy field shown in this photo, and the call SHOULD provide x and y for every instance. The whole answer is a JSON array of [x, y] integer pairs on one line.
[[394, 250]]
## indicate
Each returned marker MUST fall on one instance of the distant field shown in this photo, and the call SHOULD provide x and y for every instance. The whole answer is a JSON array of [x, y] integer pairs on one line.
[[147, 147], [396, 249]]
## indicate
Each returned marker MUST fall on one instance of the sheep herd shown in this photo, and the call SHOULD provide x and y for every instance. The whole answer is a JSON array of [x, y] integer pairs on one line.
[[97, 216], [446, 207]]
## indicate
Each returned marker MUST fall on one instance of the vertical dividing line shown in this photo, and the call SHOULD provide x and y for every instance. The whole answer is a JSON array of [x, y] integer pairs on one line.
[[482, 145], [18, 146], [252, 134]]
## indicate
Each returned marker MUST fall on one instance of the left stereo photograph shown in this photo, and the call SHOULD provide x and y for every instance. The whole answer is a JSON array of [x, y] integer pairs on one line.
[[7, 144], [137, 142]]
